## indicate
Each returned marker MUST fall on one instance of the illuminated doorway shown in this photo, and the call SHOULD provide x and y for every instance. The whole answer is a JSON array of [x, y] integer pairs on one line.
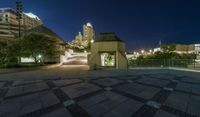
[[108, 59]]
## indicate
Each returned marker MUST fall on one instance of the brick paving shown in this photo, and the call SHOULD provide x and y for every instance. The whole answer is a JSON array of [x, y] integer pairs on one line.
[[149, 95]]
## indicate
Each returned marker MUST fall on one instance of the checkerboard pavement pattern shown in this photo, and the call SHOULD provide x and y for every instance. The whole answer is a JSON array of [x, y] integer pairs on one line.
[[150, 95]]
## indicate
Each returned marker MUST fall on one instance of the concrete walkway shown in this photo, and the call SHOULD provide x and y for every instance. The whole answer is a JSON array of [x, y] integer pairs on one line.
[[14, 70], [74, 91]]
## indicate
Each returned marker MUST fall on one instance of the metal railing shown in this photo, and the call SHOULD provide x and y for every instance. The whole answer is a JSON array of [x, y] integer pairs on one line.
[[182, 63]]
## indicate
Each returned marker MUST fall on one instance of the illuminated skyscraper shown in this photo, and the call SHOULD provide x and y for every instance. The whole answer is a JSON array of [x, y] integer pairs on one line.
[[88, 32]]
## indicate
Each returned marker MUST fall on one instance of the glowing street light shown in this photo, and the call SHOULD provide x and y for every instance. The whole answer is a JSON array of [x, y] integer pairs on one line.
[[142, 51], [39, 56], [92, 41]]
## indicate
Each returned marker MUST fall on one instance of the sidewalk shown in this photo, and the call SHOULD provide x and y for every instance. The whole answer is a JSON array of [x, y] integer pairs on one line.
[[14, 70]]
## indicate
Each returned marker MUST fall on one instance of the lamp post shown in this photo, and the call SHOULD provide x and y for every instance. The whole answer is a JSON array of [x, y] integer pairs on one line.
[[19, 16]]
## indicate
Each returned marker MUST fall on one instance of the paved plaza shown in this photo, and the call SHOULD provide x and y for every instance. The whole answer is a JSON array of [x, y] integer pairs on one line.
[[102, 93]]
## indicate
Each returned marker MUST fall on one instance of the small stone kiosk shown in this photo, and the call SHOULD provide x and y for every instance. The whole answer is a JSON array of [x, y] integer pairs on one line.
[[108, 51]]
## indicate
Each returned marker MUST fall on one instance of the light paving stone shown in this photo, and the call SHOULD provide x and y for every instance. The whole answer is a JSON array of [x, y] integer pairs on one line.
[[48, 98], [10, 107], [14, 91], [161, 113], [66, 82], [184, 87], [191, 79], [129, 77], [154, 104], [81, 89], [30, 99], [125, 109], [196, 89], [16, 83], [30, 108], [35, 87], [62, 112], [108, 88], [108, 82], [139, 90], [178, 101], [68, 103], [168, 89], [102, 103], [30, 103], [129, 81], [151, 81], [2, 84], [162, 76], [194, 105]]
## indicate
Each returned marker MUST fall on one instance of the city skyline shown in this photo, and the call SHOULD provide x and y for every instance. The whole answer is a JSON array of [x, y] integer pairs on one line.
[[141, 24]]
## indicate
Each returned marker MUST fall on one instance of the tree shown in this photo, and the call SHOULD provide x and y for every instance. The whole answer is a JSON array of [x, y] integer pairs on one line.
[[168, 48], [38, 46]]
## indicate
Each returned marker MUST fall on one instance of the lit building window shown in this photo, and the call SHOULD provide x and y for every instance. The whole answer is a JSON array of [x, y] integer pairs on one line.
[[107, 59]]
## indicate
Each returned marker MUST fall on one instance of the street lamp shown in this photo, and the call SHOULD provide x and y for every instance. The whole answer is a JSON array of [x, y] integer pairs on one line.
[[39, 56], [150, 51], [142, 51], [19, 15], [92, 41]]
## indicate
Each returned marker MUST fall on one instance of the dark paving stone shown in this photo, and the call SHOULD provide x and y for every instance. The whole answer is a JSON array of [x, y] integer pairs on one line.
[[77, 111], [139, 90], [81, 89], [107, 82], [145, 111], [61, 95], [21, 90], [125, 109], [62, 112], [162, 113], [161, 96]]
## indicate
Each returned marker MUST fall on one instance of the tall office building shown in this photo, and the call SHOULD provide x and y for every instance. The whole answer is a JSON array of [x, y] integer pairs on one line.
[[88, 32], [9, 23]]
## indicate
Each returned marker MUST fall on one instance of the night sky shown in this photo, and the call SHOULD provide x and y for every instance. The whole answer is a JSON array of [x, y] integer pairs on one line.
[[140, 23]]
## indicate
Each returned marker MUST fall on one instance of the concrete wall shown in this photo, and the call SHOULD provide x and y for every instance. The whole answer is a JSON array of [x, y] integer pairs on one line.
[[113, 46]]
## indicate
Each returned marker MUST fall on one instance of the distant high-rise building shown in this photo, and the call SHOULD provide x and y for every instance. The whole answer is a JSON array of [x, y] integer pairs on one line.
[[88, 32], [9, 23], [83, 41], [78, 38]]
